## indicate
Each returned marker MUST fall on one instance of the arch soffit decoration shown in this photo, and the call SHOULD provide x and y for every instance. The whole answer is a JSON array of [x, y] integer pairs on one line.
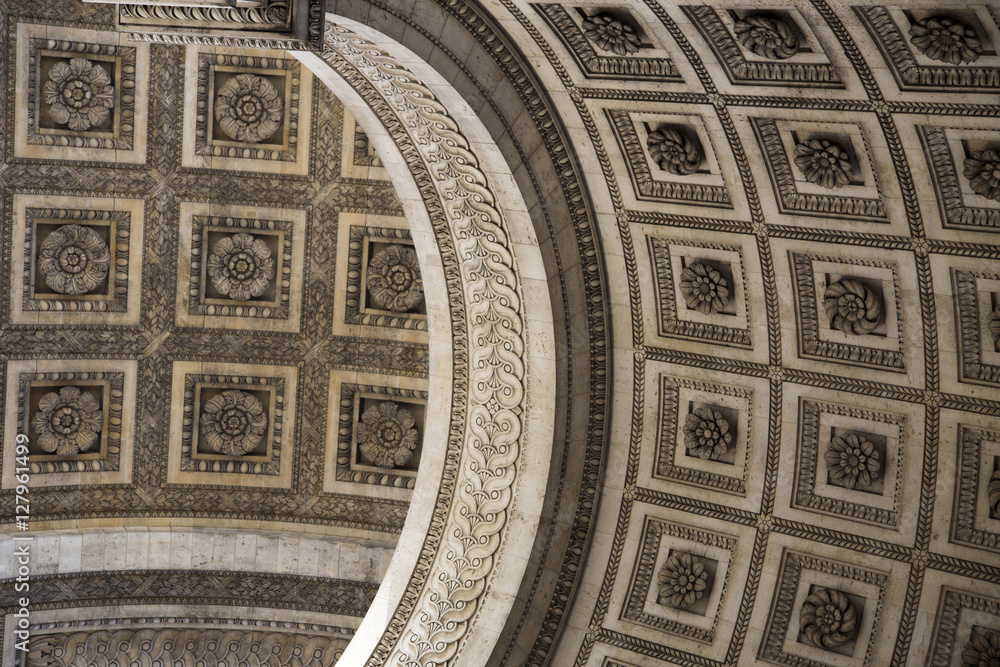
[[474, 513]]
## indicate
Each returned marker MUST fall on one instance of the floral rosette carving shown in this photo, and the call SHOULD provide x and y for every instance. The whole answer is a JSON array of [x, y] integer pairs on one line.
[[767, 37], [823, 163], [233, 422], [610, 34], [68, 421], [241, 266], [394, 279], [683, 580], [852, 461], [993, 494], [946, 39], [706, 434], [983, 172], [386, 435], [852, 307], [828, 618], [248, 108], [704, 289], [673, 152], [982, 650], [74, 259], [79, 94]]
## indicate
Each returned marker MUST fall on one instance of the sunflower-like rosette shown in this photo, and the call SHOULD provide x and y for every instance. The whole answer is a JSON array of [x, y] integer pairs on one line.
[[67, 422], [673, 152], [74, 259], [828, 618], [982, 169], [767, 37], [823, 163], [852, 307], [248, 108], [79, 94], [852, 461], [704, 289], [683, 580], [946, 39], [610, 34], [241, 266], [233, 422], [386, 435], [706, 434], [982, 650], [394, 279]]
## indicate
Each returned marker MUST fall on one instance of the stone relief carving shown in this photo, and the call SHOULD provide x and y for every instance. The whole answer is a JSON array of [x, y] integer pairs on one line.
[[982, 649], [74, 259], [233, 422], [611, 34], [179, 646], [993, 494], [248, 108], [946, 183], [852, 307], [386, 435], [364, 152], [68, 421], [946, 39], [683, 580], [706, 434], [79, 94], [704, 289], [974, 366], [967, 527], [357, 310], [852, 461], [824, 163], [241, 266], [983, 171], [828, 618], [394, 279], [767, 36], [673, 151]]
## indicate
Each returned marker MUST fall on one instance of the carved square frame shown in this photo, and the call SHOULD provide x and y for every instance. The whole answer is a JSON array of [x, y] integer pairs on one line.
[[812, 70], [960, 612], [352, 164], [185, 466], [652, 184], [945, 151], [342, 474], [912, 70], [674, 317], [196, 309], [129, 64], [111, 461], [816, 340], [124, 220], [654, 65], [659, 539], [201, 151], [796, 196], [979, 361], [797, 573], [971, 523]]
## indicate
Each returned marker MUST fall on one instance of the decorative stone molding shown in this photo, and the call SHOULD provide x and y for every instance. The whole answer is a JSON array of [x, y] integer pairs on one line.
[[643, 61], [700, 291], [78, 416], [967, 626], [358, 158], [915, 52], [182, 646], [81, 259], [267, 24], [240, 267], [830, 327], [723, 29], [234, 428], [977, 347], [80, 95], [975, 521], [681, 579], [657, 170], [250, 112], [833, 175], [962, 207]]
